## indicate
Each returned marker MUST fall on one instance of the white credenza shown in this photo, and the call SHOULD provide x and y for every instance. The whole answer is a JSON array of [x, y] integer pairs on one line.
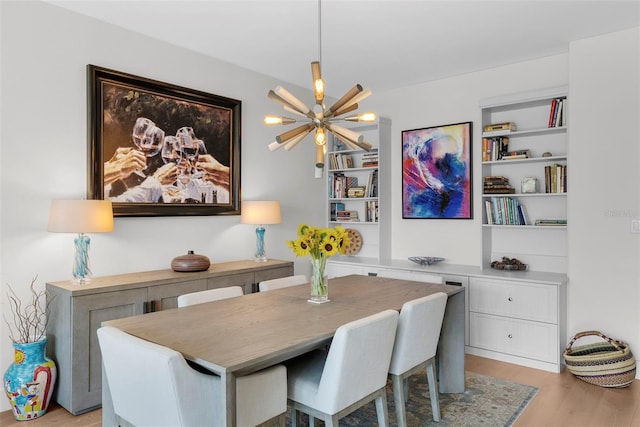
[[516, 317]]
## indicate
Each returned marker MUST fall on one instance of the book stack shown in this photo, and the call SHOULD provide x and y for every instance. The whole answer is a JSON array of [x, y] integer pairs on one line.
[[551, 222], [557, 113], [505, 211], [494, 148], [370, 159], [338, 188], [555, 178], [347, 216], [498, 128], [371, 213], [340, 161], [357, 191], [497, 185], [516, 155]]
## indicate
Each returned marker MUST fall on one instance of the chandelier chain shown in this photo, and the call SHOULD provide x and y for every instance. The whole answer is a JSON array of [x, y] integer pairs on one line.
[[320, 31]]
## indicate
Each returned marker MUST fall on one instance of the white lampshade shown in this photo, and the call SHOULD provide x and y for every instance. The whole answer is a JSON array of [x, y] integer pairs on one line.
[[81, 216], [260, 212]]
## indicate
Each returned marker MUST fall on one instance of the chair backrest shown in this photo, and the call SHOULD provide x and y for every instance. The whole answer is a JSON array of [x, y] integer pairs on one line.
[[418, 332], [209, 295], [152, 385], [358, 361], [282, 282]]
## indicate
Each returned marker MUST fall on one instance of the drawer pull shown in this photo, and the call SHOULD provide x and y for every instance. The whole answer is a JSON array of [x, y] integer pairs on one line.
[[510, 299], [510, 336]]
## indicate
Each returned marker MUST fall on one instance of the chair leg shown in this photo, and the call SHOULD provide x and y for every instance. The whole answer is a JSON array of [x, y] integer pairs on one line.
[[294, 417], [399, 399], [405, 384], [312, 421], [281, 420], [433, 390], [382, 410]]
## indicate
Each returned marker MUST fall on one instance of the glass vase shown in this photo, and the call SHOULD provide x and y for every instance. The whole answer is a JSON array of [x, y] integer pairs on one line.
[[29, 380], [319, 281]]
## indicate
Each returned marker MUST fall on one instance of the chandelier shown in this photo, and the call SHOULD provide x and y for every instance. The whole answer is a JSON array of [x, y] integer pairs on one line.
[[318, 118]]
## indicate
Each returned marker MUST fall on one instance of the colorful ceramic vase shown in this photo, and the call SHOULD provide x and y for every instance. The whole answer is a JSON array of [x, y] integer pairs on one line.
[[29, 380]]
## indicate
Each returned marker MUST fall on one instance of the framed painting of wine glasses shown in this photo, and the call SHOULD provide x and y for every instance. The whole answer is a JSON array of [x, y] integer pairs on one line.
[[157, 149], [436, 172]]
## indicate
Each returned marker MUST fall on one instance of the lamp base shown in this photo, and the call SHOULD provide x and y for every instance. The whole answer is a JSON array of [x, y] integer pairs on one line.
[[260, 259], [261, 255]]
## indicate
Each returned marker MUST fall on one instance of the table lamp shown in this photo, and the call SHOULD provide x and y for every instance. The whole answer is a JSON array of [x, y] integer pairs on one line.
[[260, 213], [81, 216]]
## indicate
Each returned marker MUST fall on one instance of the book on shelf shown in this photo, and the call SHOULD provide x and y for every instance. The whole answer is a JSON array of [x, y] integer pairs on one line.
[[334, 208], [344, 215], [555, 178], [494, 148], [505, 126], [340, 161], [358, 191], [505, 211], [497, 185], [551, 222], [515, 157], [371, 211], [372, 184], [557, 112]]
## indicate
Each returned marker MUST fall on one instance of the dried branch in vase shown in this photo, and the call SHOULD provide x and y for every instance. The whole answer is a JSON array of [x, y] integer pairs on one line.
[[29, 320]]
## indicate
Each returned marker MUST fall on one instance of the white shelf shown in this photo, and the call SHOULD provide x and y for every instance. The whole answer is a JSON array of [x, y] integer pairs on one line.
[[518, 195], [506, 163]]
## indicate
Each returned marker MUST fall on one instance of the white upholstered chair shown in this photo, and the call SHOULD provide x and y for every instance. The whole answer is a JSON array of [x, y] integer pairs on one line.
[[415, 349], [209, 295], [152, 385], [331, 384], [282, 282]]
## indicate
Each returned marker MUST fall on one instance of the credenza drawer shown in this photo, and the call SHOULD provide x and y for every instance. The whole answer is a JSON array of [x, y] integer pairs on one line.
[[534, 340], [523, 300]]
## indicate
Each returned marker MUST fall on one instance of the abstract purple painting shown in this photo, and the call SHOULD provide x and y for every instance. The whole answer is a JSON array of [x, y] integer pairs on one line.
[[436, 172]]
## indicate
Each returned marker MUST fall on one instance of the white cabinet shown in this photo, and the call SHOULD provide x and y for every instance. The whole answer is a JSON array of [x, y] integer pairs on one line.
[[356, 168], [518, 321], [543, 248]]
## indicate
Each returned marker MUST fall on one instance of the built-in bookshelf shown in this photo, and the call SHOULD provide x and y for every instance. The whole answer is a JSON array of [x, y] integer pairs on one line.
[[358, 190], [524, 169]]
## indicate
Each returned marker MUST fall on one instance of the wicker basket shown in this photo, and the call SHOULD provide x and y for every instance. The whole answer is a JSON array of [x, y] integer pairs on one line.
[[607, 364]]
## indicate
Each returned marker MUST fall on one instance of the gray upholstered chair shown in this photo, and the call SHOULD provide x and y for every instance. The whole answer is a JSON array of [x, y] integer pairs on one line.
[[282, 282], [331, 384], [209, 295], [152, 385], [415, 349]]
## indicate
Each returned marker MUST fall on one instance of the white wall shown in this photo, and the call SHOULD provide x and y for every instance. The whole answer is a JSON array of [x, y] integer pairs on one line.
[[45, 50], [442, 102], [43, 156], [604, 175]]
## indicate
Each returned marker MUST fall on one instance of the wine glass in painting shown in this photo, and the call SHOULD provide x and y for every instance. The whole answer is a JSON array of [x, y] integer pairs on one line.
[[147, 136]]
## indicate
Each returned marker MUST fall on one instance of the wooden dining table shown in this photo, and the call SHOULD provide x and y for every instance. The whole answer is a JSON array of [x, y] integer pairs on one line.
[[238, 336]]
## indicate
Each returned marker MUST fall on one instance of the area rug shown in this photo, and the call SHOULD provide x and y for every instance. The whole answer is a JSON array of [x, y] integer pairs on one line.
[[487, 402]]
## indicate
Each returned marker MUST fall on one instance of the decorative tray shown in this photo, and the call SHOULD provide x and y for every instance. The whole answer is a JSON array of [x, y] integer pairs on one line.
[[425, 260]]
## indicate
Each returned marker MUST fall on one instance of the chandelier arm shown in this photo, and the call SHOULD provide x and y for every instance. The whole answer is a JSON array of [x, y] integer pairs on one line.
[[320, 152], [291, 99], [345, 98], [289, 145], [294, 111], [344, 110], [274, 146], [275, 97], [359, 97], [347, 133], [287, 136]]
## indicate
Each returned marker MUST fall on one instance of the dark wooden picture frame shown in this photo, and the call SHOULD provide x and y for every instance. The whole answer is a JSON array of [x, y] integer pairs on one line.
[[437, 179], [187, 161]]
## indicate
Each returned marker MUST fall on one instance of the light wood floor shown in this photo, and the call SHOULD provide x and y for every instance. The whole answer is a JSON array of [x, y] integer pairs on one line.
[[563, 401]]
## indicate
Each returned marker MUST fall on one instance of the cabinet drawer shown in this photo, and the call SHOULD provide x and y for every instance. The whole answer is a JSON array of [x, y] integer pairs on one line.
[[273, 273], [522, 300], [523, 338], [245, 280]]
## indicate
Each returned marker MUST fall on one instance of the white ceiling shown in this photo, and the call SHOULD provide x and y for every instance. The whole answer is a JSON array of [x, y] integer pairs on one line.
[[381, 44]]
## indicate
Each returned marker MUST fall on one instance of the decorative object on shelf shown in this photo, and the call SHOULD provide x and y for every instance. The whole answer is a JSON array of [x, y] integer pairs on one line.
[[260, 213], [607, 364], [81, 216], [426, 260], [184, 162], [547, 154], [319, 244], [529, 184], [436, 172], [355, 242], [30, 379], [509, 264], [319, 118], [190, 262]]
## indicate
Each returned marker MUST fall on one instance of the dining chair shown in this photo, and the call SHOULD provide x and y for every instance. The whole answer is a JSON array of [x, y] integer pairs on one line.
[[282, 282], [209, 295], [152, 385], [330, 384], [415, 349]]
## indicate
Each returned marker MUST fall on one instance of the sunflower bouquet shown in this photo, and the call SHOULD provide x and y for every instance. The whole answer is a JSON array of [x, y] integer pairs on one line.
[[319, 244]]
